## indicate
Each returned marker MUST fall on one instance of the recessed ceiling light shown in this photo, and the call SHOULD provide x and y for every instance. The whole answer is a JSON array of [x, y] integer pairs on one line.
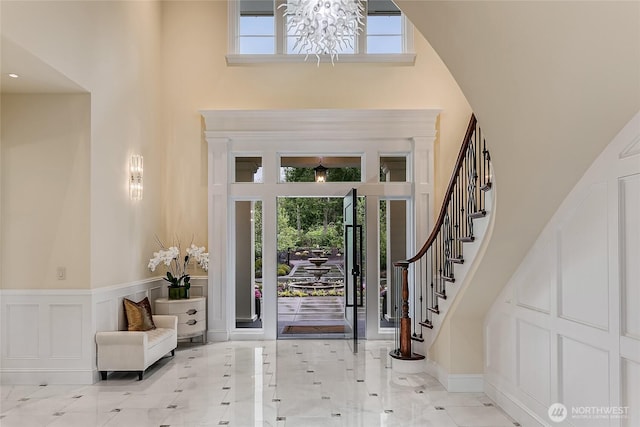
[[13, 75]]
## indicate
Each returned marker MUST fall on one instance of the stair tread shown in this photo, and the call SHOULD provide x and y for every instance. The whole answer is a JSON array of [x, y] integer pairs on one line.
[[442, 295], [434, 309], [467, 239], [449, 278], [486, 187], [479, 214], [458, 260], [427, 324]]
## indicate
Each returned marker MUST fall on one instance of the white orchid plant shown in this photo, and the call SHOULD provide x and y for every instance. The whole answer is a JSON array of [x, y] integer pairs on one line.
[[176, 264]]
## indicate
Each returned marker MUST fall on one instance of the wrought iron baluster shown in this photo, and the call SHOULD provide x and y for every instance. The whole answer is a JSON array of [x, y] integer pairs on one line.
[[471, 188], [463, 201]]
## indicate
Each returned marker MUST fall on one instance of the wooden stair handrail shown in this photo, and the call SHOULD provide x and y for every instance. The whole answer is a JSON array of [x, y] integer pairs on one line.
[[447, 197]]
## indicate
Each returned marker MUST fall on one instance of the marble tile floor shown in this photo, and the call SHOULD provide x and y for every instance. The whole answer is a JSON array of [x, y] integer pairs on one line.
[[268, 383]]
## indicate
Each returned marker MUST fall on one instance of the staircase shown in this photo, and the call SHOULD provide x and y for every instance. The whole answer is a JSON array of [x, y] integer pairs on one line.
[[433, 276]]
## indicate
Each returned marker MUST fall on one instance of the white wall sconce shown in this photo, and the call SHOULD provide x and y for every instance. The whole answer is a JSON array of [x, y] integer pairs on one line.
[[136, 170]]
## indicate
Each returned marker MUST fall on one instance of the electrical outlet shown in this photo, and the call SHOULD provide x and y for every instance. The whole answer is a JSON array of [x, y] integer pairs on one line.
[[61, 273]]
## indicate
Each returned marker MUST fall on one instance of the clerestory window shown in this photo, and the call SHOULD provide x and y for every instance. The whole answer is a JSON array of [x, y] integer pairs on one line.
[[258, 32]]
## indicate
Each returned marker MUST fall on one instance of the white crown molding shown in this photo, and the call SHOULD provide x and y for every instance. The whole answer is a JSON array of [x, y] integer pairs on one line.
[[320, 123]]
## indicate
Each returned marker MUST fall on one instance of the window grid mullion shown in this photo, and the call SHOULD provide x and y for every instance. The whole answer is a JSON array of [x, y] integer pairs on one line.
[[361, 37], [281, 27], [280, 30]]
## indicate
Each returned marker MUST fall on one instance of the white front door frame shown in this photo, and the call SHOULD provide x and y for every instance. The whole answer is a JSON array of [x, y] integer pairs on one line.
[[271, 134]]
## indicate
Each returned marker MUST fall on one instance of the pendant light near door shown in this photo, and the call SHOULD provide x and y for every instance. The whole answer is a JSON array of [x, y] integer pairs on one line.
[[321, 173]]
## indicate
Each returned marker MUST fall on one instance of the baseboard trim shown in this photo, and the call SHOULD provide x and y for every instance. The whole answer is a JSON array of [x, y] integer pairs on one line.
[[513, 407], [48, 377], [247, 334], [247, 319], [408, 366], [456, 383], [217, 335]]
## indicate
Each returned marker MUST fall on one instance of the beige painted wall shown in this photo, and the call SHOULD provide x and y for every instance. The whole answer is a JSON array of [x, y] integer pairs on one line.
[[150, 67], [197, 77], [551, 84], [112, 50], [45, 190]]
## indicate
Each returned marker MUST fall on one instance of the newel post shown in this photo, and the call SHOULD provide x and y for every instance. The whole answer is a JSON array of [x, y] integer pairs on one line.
[[403, 337], [405, 320]]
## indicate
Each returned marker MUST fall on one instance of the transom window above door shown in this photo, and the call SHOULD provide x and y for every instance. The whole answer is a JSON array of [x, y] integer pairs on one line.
[[320, 169], [259, 32]]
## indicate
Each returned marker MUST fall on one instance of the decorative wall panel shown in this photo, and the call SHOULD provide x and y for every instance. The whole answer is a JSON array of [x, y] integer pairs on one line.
[[23, 334], [533, 280], [534, 361], [106, 316], [593, 325], [584, 290], [500, 346], [631, 392], [584, 378], [48, 336], [629, 205], [65, 329]]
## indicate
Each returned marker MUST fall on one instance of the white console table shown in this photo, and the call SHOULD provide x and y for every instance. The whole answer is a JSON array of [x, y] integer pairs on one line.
[[191, 312]]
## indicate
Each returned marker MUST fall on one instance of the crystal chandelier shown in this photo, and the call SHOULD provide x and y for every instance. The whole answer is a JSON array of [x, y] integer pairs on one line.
[[323, 27]]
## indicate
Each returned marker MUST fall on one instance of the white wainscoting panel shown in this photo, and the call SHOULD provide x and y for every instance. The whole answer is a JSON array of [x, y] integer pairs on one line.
[[631, 392], [584, 350], [108, 304], [533, 280], [584, 375], [500, 339], [583, 258], [106, 315], [629, 193], [534, 367], [48, 336], [65, 329], [22, 330]]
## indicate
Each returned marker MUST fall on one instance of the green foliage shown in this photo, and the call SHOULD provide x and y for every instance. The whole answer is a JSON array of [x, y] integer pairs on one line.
[[343, 175], [331, 237], [299, 175], [283, 269], [287, 235], [290, 293], [309, 222], [383, 235], [287, 293], [258, 268], [257, 221], [347, 174], [313, 221]]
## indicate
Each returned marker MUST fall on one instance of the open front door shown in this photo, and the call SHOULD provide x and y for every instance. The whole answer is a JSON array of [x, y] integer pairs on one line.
[[353, 294]]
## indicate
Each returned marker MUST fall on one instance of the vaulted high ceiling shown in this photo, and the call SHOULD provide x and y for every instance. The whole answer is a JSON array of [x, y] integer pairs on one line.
[[551, 84]]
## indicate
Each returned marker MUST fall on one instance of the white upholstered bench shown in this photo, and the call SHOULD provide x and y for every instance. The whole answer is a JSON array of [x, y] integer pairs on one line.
[[136, 350]]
